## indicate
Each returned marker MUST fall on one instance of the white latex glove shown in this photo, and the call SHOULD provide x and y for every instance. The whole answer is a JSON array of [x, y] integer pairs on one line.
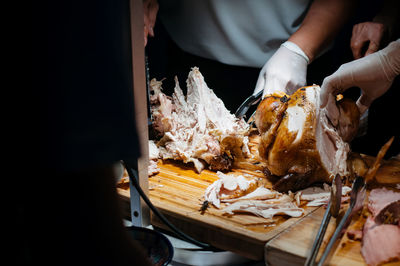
[[285, 71], [373, 74]]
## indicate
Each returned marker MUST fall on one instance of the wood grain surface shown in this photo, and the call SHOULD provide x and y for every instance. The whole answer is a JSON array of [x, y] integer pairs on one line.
[[177, 191], [294, 244]]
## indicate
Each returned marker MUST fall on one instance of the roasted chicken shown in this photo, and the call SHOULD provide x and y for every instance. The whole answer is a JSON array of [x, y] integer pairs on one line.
[[299, 143]]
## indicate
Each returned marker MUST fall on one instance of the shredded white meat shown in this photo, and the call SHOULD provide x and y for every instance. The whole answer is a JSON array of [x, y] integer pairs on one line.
[[263, 209], [261, 193], [153, 150], [196, 128], [317, 196], [153, 159], [153, 168], [227, 186], [239, 194]]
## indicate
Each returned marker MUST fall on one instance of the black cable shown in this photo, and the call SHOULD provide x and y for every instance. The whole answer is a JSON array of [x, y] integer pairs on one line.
[[160, 215]]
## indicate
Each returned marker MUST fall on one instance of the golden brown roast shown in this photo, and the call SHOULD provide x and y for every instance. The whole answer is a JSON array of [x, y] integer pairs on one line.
[[268, 117], [299, 144]]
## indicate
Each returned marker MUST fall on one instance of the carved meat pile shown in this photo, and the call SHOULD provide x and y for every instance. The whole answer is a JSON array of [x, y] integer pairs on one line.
[[299, 143], [197, 128], [245, 193], [381, 232]]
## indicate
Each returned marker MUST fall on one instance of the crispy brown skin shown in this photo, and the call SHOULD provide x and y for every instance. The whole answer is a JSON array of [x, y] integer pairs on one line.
[[349, 119], [268, 118], [296, 163]]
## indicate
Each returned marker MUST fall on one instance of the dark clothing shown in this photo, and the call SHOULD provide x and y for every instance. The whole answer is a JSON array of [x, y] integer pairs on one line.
[[83, 75], [89, 84], [382, 124], [78, 221]]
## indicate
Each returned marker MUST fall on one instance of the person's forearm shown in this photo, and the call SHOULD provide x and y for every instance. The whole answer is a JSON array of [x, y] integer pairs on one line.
[[321, 24]]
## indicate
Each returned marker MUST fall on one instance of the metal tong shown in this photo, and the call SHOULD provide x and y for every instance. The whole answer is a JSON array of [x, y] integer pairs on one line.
[[357, 197], [245, 106], [332, 210]]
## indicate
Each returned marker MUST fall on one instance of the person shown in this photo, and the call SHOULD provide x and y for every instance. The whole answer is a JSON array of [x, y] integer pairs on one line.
[[370, 33], [150, 10], [71, 212], [374, 74], [248, 46], [370, 36]]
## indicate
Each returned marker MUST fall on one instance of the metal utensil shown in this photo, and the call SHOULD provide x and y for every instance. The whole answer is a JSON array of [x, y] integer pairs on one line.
[[357, 197], [332, 210], [245, 106], [157, 247]]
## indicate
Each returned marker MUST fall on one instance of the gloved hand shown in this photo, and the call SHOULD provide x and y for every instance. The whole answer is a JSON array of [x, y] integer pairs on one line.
[[285, 71], [373, 74]]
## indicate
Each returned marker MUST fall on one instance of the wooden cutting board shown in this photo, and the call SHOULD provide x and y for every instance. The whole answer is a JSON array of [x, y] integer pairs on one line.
[[177, 191], [294, 244]]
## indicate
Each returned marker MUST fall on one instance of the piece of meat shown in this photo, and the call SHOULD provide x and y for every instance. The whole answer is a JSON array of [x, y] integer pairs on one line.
[[268, 116], [261, 193], [197, 128], [153, 159], [299, 144], [317, 196], [281, 198], [153, 151], [381, 243], [381, 238], [229, 187], [153, 168], [389, 172], [266, 210], [356, 165], [354, 234], [379, 198], [349, 119], [390, 214], [161, 107]]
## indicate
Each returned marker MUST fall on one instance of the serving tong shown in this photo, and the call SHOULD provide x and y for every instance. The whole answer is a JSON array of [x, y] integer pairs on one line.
[[357, 197], [332, 210], [245, 106]]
